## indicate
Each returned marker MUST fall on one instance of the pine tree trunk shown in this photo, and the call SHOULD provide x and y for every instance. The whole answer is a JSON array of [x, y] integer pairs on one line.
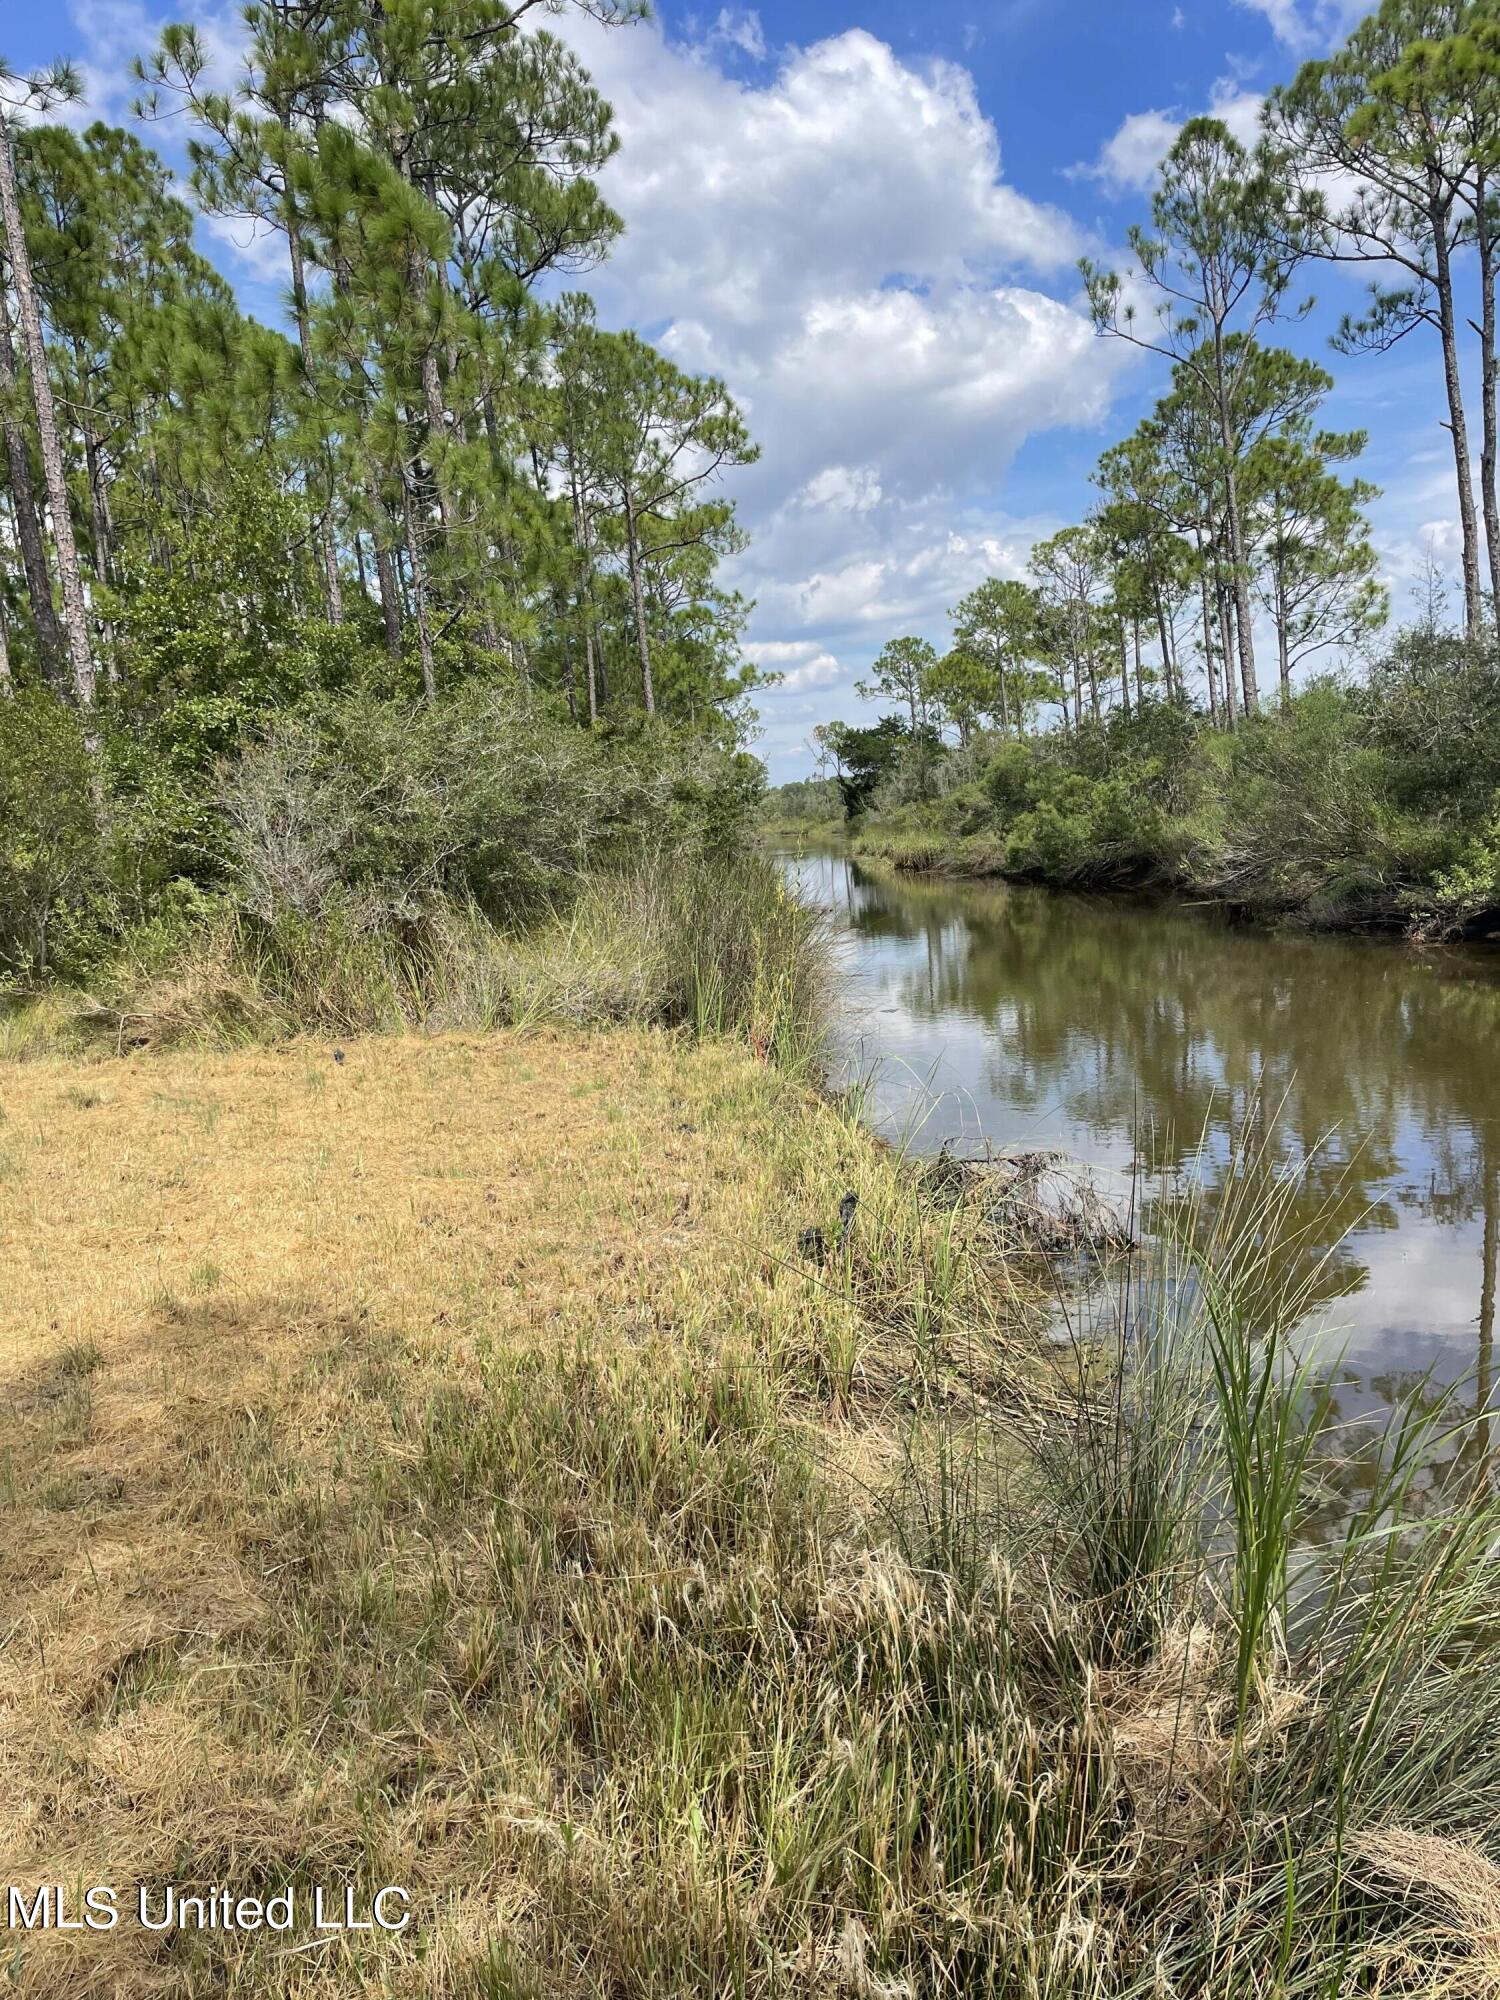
[[102, 526], [1208, 639], [1124, 669], [385, 568], [99, 519], [1458, 428], [24, 507], [1239, 570], [1168, 665], [638, 600], [74, 610], [437, 430], [585, 587], [333, 589], [419, 592], [1244, 638], [1283, 650], [7, 685], [1226, 642], [1485, 242]]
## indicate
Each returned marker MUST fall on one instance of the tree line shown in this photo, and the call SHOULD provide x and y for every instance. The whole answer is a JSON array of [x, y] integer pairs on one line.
[[1231, 519], [455, 463]]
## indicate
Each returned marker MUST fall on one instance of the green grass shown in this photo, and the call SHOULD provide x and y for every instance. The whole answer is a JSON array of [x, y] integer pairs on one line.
[[720, 948]]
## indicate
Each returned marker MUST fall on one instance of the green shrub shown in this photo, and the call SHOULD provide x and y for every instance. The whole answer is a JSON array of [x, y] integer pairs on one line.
[[1373, 804], [52, 873]]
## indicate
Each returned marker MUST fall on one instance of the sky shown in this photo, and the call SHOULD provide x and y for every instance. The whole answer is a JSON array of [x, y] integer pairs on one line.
[[866, 217]]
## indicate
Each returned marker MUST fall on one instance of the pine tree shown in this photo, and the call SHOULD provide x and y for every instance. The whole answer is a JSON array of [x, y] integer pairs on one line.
[[41, 90], [1219, 259], [1386, 174]]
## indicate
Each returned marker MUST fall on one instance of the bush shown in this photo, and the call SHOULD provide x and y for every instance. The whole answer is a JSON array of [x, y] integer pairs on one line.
[[51, 855], [392, 809], [1354, 805]]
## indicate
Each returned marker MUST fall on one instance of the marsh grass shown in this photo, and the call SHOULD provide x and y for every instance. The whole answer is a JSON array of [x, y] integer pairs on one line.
[[1298, 1722], [716, 947], [532, 1524]]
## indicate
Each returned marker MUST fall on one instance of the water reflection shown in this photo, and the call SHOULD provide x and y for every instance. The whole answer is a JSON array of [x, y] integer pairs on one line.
[[1151, 1038]]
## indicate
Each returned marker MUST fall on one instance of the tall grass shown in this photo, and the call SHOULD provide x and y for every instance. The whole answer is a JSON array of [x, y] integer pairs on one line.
[[726, 949], [1283, 1743], [718, 947]]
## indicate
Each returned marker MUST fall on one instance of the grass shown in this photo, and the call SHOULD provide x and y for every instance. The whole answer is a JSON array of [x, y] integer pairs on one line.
[[446, 1467], [722, 947], [796, 832], [913, 850], [475, 1528]]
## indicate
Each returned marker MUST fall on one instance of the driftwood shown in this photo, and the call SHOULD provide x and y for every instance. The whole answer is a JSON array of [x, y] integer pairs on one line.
[[1044, 1201]]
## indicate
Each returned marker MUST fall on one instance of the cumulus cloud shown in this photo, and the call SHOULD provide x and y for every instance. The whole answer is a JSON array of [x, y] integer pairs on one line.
[[740, 29], [847, 489], [801, 663], [835, 237], [1128, 160], [1308, 27]]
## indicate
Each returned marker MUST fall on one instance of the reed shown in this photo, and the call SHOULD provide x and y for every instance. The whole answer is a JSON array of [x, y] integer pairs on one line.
[[718, 947]]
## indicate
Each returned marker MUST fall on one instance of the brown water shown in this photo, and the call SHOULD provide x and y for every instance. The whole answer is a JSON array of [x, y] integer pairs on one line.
[[1143, 1040]]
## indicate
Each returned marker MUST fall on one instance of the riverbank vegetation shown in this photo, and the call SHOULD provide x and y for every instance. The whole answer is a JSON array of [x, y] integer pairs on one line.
[[1359, 803]]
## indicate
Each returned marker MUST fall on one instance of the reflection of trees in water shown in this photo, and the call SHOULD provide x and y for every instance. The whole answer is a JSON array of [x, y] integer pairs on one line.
[[1366, 1068]]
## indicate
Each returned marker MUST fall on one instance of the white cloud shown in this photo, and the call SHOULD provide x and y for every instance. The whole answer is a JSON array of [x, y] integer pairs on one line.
[[835, 238], [115, 32], [800, 662], [847, 489], [1127, 162], [740, 29], [259, 249], [1308, 27]]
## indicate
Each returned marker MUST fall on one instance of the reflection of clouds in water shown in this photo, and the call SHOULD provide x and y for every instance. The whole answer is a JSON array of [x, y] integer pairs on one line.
[[1422, 1277], [1029, 1020]]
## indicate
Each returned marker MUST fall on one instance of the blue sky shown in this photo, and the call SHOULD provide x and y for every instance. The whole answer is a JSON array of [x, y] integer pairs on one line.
[[867, 217]]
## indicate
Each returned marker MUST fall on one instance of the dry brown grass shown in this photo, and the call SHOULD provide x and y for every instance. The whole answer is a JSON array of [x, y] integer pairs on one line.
[[450, 1186], [330, 1387], [441, 1467]]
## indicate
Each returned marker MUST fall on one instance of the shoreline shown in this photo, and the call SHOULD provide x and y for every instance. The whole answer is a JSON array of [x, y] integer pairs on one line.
[[973, 859]]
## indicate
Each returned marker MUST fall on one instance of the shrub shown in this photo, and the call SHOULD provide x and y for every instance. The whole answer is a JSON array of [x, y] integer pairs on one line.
[[51, 855]]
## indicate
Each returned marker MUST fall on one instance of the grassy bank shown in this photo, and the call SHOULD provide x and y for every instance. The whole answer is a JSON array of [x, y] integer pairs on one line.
[[719, 947], [450, 1466], [439, 1466], [776, 830]]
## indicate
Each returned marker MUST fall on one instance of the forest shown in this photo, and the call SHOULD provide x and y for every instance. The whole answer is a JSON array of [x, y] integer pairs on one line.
[[1201, 685], [411, 606]]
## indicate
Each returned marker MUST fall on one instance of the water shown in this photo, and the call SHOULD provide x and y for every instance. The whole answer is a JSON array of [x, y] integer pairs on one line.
[[1142, 1039]]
